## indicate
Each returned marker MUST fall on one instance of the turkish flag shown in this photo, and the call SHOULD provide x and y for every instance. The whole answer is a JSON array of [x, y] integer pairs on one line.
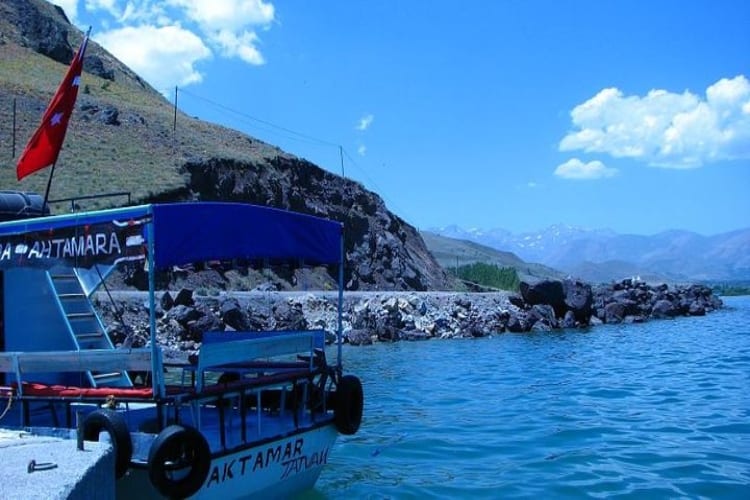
[[44, 146]]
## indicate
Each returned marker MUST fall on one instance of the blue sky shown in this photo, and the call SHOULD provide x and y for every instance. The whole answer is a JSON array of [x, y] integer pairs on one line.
[[631, 115]]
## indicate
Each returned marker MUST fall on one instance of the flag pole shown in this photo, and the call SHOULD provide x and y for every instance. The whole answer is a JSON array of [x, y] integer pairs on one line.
[[79, 55], [49, 185]]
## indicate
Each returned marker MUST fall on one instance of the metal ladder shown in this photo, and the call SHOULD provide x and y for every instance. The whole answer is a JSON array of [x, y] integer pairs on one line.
[[85, 326]]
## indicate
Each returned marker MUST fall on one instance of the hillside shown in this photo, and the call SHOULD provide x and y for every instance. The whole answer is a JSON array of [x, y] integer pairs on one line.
[[451, 252], [121, 138]]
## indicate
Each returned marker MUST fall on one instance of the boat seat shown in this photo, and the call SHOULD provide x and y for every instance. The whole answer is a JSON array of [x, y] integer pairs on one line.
[[22, 364], [219, 354]]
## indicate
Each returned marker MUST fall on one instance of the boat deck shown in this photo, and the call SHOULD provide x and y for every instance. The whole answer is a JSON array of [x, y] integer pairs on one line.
[[232, 402]]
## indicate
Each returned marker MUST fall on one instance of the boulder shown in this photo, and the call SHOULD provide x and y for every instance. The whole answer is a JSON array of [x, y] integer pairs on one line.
[[289, 316], [184, 297], [43, 34], [517, 323], [570, 320], [182, 314], [614, 312], [548, 292], [541, 326], [516, 300], [95, 65], [166, 301], [388, 334], [663, 309], [195, 329], [632, 308], [697, 309], [542, 313], [358, 337], [232, 315], [578, 299]]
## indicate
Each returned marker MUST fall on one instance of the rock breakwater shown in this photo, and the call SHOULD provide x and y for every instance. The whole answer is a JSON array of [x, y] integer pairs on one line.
[[369, 317]]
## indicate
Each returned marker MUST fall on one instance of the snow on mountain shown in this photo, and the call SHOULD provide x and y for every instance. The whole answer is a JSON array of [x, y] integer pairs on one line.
[[675, 254]]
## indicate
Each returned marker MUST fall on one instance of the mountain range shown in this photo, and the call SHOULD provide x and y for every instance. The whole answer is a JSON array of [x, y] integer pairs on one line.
[[602, 254]]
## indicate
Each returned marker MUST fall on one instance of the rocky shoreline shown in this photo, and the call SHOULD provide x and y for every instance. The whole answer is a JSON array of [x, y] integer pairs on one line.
[[371, 317]]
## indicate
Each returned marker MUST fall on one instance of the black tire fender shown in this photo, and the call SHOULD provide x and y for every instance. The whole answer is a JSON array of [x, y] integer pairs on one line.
[[348, 405], [114, 424], [179, 447]]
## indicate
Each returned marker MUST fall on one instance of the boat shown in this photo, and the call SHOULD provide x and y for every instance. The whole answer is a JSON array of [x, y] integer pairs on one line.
[[253, 414]]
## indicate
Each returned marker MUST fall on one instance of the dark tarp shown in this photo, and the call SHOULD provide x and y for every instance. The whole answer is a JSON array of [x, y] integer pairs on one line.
[[183, 233], [195, 232]]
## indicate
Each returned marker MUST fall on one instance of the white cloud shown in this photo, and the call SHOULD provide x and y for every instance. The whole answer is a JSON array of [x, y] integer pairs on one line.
[[242, 46], [109, 6], [576, 169], [362, 150], [666, 129], [531, 185], [365, 122], [70, 7], [165, 56], [232, 15], [226, 26], [170, 36]]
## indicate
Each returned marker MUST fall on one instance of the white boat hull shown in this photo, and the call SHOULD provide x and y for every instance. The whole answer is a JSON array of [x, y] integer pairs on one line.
[[274, 469]]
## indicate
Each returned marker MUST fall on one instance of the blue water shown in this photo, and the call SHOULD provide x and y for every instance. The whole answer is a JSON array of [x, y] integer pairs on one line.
[[654, 410]]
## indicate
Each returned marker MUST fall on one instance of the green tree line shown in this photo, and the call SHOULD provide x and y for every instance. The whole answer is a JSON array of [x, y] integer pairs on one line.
[[489, 275], [734, 289]]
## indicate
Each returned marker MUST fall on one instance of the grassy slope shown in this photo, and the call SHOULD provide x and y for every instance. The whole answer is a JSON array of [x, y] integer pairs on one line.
[[142, 155]]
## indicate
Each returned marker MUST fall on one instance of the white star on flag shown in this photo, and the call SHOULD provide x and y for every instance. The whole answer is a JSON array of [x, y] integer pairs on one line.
[[44, 146]]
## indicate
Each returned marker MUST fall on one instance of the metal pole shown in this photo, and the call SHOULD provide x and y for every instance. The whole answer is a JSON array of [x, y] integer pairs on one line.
[[340, 333], [14, 128], [341, 156], [174, 123], [155, 361], [49, 185], [79, 430]]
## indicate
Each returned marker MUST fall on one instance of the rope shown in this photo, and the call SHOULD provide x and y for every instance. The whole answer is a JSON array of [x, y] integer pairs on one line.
[[117, 311], [7, 408]]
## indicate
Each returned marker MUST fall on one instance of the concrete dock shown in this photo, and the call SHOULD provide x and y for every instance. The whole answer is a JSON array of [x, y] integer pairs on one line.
[[52, 467]]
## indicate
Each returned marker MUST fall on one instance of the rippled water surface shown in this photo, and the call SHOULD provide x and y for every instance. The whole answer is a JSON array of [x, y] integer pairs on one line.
[[657, 410]]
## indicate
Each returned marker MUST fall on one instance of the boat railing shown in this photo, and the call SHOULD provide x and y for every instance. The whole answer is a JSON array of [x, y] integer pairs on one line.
[[217, 356], [249, 366], [25, 363], [74, 207], [263, 376]]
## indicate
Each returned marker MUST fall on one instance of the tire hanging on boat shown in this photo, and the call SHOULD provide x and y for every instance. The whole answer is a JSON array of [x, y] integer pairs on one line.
[[119, 435], [348, 404], [178, 461]]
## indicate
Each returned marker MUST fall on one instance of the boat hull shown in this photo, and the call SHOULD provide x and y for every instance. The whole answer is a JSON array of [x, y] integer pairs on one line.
[[274, 469]]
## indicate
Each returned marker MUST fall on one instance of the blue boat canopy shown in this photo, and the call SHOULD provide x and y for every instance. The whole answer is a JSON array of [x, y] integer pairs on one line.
[[182, 233]]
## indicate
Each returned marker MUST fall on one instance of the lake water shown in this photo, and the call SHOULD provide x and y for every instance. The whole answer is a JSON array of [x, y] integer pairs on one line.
[[653, 410]]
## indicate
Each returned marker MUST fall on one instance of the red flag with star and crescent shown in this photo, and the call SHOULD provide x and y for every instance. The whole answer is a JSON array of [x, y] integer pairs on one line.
[[44, 146]]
